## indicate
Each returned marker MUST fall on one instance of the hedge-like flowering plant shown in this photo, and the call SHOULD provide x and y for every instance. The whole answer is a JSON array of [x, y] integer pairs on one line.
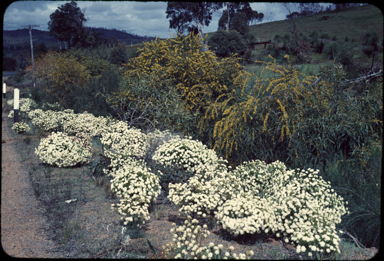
[[58, 149], [25, 104], [20, 127], [297, 205], [122, 147], [86, 122], [51, 120], [186, 154], [246, 214], [204, 191], [305, 206], [138, 187]]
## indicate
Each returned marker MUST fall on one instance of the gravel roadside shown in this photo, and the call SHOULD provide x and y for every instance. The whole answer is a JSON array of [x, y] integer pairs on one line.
[[23, 227]]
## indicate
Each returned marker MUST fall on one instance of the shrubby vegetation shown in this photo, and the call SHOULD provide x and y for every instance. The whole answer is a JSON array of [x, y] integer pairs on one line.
[[264, 127], [62, 151], [224, 44]]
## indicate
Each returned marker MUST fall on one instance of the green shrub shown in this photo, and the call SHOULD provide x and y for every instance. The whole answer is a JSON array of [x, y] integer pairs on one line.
[[118, 55], [177, 69]]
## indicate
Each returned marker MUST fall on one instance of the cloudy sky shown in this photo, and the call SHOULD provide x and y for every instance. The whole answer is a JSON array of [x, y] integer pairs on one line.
[[140, 18]]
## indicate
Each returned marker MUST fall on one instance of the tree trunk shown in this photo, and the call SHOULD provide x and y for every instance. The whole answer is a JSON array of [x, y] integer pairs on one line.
[[228, 16]]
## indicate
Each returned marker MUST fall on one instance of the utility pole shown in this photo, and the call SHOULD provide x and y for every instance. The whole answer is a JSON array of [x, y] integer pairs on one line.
[[30, 38]]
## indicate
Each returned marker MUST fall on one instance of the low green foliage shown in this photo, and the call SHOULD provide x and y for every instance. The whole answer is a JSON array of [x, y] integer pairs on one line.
[[224, 44]]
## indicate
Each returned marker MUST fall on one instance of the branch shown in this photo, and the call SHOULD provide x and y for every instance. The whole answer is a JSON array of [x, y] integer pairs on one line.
[[364, 78]]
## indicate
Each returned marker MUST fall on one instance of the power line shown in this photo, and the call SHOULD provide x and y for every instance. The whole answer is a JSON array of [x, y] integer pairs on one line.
[[30, 38]]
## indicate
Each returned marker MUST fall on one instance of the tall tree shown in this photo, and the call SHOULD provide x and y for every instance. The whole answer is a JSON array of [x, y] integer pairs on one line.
[[191, 16], [234, 8], [66, 23]]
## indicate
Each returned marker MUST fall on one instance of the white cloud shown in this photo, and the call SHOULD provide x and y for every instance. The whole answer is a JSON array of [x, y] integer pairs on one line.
[[141, 18]]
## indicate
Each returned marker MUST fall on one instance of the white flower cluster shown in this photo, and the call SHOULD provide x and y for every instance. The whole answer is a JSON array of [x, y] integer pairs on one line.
[[116, 126], [35, 113], [20, 127], [246, 215], [138, 187], [204, 192], [11, 114], [25, 104], [121, 147], [59, 150], [186, 154], [297, 205], [187, 240], [86, 122], [51, 120]]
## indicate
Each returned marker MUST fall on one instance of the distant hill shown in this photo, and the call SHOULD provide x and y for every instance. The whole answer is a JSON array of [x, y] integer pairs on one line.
[[349, 22], [20, 38]]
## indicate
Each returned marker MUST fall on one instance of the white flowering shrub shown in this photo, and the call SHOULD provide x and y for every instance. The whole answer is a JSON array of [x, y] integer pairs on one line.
[[306, 209], [204, 192], [116, 126], [297, 205], [186, 154], [52, 120], [121, 147], [244, 214], [35, 113], [187, 244], [25, 104], [60, 150], [20, 127], [138, 187], [86, 122]]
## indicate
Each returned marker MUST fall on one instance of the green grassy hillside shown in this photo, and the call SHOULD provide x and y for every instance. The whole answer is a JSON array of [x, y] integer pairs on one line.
[[350, 22]]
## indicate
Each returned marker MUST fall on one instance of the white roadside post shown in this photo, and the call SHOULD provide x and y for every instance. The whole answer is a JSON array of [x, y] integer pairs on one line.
[[16, 105], [4, 90]]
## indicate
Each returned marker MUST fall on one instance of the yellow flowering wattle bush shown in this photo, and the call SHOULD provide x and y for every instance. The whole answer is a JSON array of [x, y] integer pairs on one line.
[[178, 66], [60, 150]]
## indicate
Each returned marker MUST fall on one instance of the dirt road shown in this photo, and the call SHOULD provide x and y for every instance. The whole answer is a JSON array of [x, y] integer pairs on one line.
[[22, 224]]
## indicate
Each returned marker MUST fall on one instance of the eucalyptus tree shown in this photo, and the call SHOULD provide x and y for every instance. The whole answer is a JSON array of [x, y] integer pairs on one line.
[[66, 23], [191, 16]]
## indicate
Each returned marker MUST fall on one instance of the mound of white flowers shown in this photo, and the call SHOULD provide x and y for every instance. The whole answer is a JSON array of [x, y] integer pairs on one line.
[[51, 120], [121, 147], [25, 104], [138, 187], [60, 150], [186, 154], [86, 122], [297, 205], [20, 127]]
